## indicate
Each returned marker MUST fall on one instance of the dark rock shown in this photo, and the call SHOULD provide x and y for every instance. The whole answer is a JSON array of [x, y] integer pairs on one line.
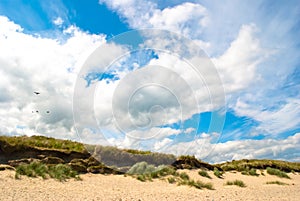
[[16, 163], [91, 161], [101, 169], [78, 167], [190, 162]]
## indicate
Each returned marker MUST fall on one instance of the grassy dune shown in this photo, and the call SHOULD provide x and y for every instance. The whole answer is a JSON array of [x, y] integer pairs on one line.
[[151, 165], [21, 142]]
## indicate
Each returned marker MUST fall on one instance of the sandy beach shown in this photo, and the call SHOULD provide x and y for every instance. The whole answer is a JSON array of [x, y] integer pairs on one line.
[[118, 187]]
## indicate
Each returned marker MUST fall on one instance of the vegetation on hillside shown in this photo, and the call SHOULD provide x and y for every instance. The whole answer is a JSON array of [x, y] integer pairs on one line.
[[60, 172], [246, 165], [21, 142], [276, 172], [145, 172]]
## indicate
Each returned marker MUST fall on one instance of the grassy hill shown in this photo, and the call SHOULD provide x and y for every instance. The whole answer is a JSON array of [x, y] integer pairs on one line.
[[12, 148]]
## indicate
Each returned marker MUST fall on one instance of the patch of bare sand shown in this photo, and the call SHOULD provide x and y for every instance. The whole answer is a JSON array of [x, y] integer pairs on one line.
[[118, 187]]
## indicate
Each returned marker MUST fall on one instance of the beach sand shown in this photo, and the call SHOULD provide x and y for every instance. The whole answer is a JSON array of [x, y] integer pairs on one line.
[[118, 187]]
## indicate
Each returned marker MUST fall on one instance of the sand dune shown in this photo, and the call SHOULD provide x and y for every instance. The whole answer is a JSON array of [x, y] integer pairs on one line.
[[118, 187]]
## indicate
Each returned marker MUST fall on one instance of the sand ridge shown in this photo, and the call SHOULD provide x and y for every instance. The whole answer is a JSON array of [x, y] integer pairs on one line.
[[118, 187]]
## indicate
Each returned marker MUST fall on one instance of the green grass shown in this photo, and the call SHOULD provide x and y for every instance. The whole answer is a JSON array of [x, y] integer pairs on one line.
[[218, 173], [277, 182], [276, 172], [60, 172], [236, 182], [197, 184], [203, 173], [172, 180], [142, 178], [34, 169], [133, 151], [247, 164], [22, 142], [146, 172], [251, 172], [184, 176]]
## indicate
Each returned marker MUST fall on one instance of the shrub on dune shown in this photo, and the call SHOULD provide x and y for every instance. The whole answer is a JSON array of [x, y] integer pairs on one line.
[[276, 172]]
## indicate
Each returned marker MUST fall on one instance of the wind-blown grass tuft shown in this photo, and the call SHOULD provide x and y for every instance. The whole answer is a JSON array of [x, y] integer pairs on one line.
[[276, 182], [218, 173], [276, 172], [60, 172], [203, 173], [236, 182]]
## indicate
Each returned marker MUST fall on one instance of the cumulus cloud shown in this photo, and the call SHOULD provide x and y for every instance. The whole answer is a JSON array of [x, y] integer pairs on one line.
[[281, 149], [30, 63], [182, 18], [237, 66]]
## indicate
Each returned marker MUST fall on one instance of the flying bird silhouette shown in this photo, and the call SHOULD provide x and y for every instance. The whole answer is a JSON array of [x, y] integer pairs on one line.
[[36, 92]]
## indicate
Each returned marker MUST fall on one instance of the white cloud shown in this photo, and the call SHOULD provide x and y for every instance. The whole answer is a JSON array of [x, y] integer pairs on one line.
[[58, 21], [29, 64], [286, 149], [275, 121], [237, 66], [182, 18]]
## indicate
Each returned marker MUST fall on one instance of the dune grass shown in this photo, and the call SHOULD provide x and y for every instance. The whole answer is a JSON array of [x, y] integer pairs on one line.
[[133, 151], [276, 182], [236, 182], [262, 164], [276, 172], [171, 180], [146, 172], [21, 142], [218, 173], [197, 184], [251, 172], [184, 176], [203, 173], [143, 171], [60, 172]]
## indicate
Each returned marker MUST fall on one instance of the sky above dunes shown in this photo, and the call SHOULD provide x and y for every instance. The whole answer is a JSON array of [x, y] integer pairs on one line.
[[220, 81]]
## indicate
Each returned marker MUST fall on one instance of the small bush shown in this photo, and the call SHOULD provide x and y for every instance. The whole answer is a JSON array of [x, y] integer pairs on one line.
[[203, 173], [60, 172], [244, 173], [34, 169], [141, 168], [164, 170], [253, 172], [171, 180], [141, 177], [236, 182], [277, 182], [184, 176], [218, 173], [279, 173]]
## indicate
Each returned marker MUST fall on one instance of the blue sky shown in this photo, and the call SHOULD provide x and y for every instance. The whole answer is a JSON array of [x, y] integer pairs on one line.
[[130, 94]]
